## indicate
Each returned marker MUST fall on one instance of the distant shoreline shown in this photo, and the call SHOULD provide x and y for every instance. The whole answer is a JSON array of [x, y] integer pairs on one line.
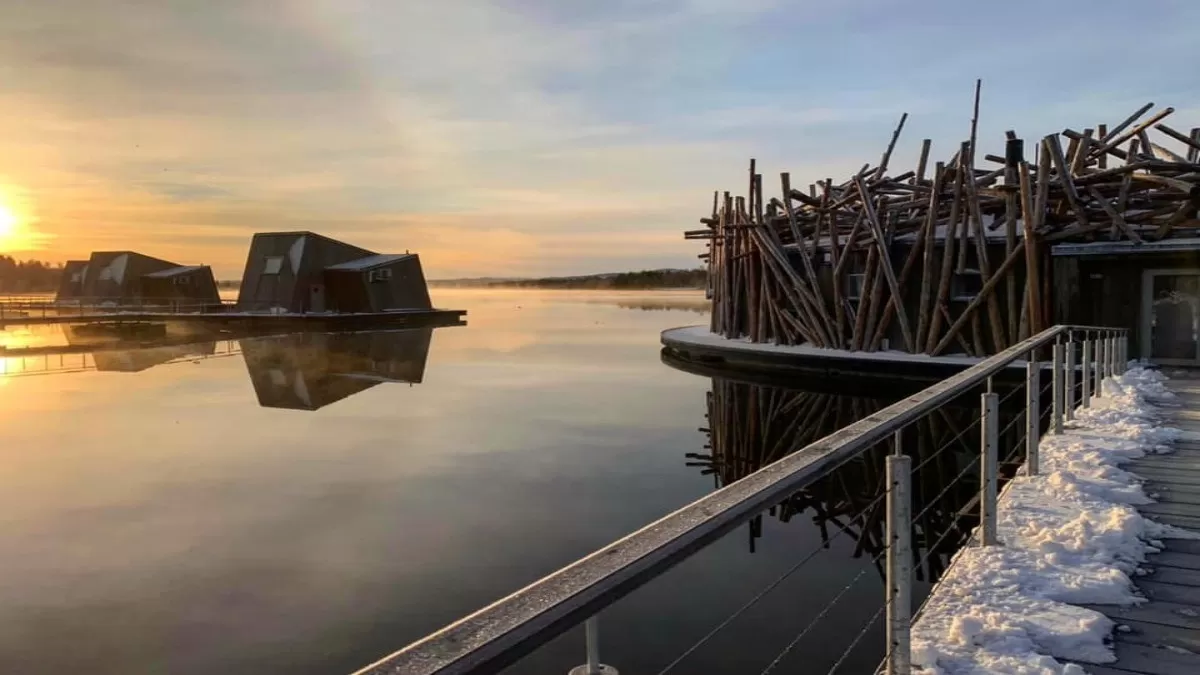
[[646, 280]]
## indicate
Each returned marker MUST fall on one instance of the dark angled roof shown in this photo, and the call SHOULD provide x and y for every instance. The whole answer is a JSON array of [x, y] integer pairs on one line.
[[174, 271], [371, 261]]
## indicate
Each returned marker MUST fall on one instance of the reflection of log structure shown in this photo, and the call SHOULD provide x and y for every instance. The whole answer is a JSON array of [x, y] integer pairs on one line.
[[954, 256], [753, 425]]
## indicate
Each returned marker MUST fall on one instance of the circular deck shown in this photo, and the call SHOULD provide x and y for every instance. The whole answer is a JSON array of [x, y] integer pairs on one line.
[[695, 344]]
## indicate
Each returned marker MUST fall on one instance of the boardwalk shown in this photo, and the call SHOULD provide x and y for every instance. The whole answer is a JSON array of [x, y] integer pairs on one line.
[[1163, 635]]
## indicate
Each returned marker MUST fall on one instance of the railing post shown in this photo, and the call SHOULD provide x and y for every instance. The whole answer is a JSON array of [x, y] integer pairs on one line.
[[899, 563], [990, 436], [1069, 379], [591, 629], [1033, 413], [1098, 369], [1114, 361], [1056, 390], [1085, 373], [1124, 351]]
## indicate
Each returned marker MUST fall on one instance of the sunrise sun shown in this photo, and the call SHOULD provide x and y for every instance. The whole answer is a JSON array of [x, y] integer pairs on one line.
[[12, 228]]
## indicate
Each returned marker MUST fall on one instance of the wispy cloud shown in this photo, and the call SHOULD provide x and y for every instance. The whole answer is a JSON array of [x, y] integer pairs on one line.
[[518, 137]]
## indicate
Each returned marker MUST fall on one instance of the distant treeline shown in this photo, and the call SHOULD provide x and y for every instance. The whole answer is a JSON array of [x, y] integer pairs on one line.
[[28, 276], [643, 280]]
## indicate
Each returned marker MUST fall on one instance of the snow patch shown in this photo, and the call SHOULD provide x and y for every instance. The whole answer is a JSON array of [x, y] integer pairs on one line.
[[1071, 535]]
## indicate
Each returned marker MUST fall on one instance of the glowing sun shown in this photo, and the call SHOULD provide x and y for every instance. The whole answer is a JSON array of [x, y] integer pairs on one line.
[[11, 232]]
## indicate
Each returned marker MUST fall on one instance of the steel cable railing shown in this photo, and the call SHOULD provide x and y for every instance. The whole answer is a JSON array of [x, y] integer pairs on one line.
[[774, 584], [502, 633]]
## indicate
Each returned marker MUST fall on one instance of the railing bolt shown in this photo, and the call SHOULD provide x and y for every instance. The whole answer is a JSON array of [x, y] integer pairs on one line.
[[899, 563]]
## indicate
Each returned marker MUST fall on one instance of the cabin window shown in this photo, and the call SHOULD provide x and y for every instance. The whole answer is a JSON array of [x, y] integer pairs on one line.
[[966, 285], [273, 265], [379, 275], [854, 285]]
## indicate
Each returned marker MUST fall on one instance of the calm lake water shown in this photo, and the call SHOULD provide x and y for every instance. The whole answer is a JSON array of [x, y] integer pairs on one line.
[[292, 505]]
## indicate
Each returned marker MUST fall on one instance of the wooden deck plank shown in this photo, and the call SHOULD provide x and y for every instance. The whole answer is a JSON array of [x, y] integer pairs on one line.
[[1183, 545], [1156, 591], [1156, 635], [1167, 462], [1172, 492], [1178, 521], [1171, 575], [1183, 561], [1160, 612], [1155, 660], [1102, 670], [1165, 476], [1170, 508]]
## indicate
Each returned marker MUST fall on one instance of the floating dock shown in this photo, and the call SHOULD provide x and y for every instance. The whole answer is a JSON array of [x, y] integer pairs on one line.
[[49, 313]]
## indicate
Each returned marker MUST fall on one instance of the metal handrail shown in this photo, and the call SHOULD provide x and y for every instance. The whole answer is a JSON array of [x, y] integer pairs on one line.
[[501, 633]]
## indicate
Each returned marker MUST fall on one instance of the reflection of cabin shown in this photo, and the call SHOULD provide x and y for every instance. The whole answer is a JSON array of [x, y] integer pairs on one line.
[[126, 277], [185, 286], [136, 360], [308, 371], [306, 272]]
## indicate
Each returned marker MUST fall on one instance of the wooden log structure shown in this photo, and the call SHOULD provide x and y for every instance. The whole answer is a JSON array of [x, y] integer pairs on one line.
[[956, 261]]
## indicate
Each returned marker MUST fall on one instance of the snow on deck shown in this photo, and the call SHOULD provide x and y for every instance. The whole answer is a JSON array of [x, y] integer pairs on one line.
[[700, 336], [1071, 536]]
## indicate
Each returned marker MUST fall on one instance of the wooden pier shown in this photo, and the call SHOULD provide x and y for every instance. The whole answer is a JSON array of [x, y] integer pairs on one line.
[[1162, 636]]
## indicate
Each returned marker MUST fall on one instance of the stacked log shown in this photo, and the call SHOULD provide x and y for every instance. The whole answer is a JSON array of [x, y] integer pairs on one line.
[[781, 269]]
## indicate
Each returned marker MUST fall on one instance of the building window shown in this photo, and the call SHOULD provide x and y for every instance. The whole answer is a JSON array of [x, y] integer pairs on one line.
[[966, 285], [273, 265], [379, 275], [182, 281], [854, 285], [77, 278]]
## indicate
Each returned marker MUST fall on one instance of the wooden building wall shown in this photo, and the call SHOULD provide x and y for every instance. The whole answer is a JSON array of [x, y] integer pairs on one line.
[[1108, 290]]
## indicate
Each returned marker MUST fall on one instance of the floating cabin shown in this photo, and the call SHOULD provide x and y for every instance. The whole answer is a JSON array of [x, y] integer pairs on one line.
[[971, 255], [183, 286], [297, 272], [309, 371], [70, 284], [130, 278]]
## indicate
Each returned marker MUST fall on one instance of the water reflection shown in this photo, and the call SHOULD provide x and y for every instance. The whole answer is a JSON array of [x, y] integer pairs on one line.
[[751, 425], [308, 371], [302, 371]]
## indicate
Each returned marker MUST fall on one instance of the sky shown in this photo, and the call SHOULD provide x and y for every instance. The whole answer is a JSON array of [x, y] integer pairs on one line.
[[520, 137]]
